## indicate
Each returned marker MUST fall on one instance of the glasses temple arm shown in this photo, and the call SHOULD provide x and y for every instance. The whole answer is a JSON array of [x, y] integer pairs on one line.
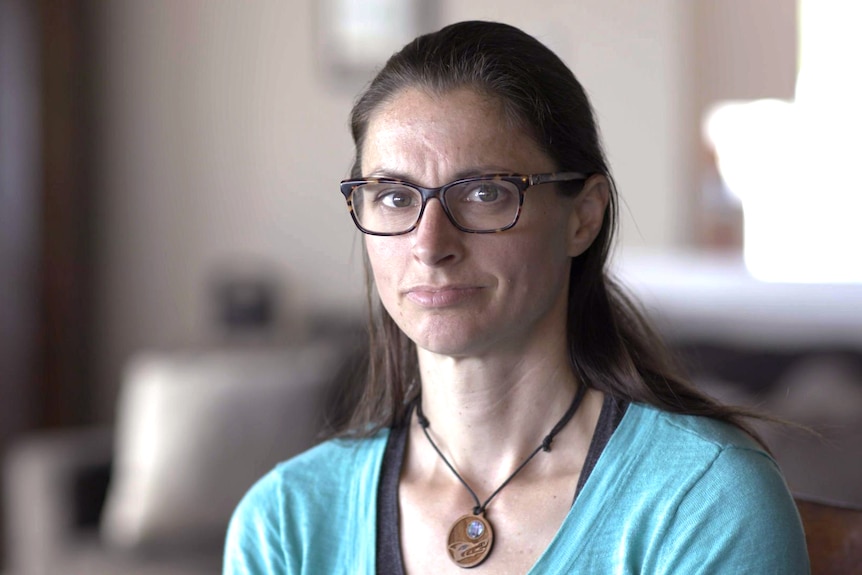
[[558, 177]]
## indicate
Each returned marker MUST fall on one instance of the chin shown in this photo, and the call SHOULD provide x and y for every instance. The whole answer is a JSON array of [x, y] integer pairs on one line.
[[455, 339]]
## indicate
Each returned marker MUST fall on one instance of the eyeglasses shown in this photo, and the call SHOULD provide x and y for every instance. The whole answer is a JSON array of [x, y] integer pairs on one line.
[[479, 205]]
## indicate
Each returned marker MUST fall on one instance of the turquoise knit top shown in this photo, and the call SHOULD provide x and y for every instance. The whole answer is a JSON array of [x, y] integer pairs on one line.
[[669, 494]]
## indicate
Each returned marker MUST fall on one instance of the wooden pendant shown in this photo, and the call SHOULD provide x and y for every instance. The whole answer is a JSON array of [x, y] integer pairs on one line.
[[470, 540]]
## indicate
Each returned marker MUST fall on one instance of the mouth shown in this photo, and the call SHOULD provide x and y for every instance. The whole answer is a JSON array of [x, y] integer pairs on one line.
[[441, 296]]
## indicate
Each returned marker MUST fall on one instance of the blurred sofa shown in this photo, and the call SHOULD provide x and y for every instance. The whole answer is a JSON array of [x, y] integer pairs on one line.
[[153, 495]]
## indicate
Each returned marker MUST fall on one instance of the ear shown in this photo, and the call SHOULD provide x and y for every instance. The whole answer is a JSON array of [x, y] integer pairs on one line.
[[588, 214]]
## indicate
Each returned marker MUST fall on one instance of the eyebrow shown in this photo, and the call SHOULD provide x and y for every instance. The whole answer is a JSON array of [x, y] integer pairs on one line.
[[460, 175]]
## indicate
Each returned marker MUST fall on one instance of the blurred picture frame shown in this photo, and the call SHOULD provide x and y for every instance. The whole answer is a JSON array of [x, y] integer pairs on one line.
[[356, 37]]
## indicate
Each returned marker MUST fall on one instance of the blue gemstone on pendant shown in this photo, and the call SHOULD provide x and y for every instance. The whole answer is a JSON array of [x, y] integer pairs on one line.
[[475, 529]]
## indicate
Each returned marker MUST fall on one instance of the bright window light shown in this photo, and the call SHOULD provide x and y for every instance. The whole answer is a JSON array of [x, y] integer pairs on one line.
[[795, 165]]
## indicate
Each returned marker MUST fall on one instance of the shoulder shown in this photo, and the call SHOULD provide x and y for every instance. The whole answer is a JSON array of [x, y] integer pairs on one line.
[[679, 456], [331, 459], [302, 499], [322, 475], [686, 446], [692, 431], [717, 496]]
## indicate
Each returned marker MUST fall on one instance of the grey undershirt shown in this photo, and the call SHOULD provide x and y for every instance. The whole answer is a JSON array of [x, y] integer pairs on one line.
[[388, 534]]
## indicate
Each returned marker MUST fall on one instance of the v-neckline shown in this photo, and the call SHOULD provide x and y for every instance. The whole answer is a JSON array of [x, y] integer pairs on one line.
[[389, 560]]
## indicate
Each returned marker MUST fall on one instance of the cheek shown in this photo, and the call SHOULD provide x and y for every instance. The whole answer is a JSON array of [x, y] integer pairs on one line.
[[538, 262], [383, 259]]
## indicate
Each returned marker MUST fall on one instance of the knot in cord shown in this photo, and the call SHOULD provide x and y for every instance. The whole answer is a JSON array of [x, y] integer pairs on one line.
[[423, 421], [546, 443]]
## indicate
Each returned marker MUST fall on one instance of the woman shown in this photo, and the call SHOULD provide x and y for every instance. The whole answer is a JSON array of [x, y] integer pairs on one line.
[[519, 414]]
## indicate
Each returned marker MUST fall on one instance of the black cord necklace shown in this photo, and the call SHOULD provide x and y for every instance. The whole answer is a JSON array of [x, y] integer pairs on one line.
[[471, 536]]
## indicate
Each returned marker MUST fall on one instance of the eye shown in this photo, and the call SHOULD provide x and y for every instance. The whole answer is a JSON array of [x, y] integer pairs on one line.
[[396, 198], [484, 192]]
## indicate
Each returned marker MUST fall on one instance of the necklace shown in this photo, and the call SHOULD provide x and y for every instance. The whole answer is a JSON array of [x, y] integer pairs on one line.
[[471, 536]]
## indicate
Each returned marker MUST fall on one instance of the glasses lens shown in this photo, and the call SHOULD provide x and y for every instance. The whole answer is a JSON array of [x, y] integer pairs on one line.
[[386, 208], [483, 205]]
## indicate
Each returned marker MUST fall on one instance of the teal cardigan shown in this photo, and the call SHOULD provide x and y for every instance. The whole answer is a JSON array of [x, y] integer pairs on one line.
[[669, 494]]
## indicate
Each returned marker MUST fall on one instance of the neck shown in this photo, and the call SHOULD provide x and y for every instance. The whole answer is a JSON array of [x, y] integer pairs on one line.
[[545, 446], [487, 415]]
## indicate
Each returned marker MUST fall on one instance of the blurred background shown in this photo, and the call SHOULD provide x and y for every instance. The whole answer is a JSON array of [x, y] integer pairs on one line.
[[169, 171]]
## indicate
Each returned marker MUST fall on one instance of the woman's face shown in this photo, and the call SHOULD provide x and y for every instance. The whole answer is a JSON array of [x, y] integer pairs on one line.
[[457, 293]]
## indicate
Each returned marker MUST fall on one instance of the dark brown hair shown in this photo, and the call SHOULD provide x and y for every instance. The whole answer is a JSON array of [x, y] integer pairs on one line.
[[612, 347]]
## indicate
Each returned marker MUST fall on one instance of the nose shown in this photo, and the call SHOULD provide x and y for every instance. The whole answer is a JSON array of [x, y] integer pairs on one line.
[[437, 241]]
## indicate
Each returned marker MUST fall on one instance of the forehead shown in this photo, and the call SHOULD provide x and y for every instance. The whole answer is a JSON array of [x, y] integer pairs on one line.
[[456, 131], [426, 103]]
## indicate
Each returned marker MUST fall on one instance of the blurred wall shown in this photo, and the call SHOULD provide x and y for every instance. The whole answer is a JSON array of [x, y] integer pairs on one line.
[[222, 140], [220, 147]]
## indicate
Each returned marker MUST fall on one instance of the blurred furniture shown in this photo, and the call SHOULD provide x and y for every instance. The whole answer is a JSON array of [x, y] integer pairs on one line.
[[154, 495], [791, 350], [712, 298], [833, 533]]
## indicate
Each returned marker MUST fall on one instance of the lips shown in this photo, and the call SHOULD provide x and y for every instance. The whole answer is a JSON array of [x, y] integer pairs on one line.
[[441, 296]]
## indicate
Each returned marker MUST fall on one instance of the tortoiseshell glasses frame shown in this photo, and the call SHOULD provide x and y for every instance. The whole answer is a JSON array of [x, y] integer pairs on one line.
[[481, 204]]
